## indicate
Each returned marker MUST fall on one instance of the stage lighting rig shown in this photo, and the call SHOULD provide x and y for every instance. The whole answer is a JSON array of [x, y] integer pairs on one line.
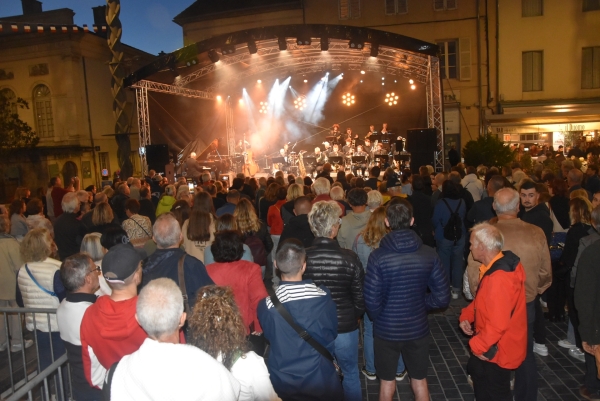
[[303, 39], [348, 99], [374, 50], [356, 44], [264, 107], [300, 102], [213, 56], [324, 44], [391, 99], [252, 46], [282, 43], [227, 49]]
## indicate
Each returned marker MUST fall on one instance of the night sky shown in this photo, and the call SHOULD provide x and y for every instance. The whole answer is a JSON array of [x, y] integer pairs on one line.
[[147, 24]]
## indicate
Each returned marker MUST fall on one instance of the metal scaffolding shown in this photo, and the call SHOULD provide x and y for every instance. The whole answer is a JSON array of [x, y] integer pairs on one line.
[[143, 114], [229, 127]]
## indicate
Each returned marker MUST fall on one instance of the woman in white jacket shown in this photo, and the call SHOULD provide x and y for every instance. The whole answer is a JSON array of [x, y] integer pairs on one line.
[[40, 286], [216, 312]]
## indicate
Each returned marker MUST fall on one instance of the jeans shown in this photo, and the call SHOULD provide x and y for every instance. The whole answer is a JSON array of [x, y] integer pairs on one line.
[[346, 353], [369, 353], [275, 239], [526, 375], [490, 381], [453, 260]]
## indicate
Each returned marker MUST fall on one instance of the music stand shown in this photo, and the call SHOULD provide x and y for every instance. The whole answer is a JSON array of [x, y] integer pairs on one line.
[[375, 137], [381, 158], [238, 159], [279, 160], [386, 138], [309, 160], [336, 160], [359, 159], [402, 157], [399, 145]]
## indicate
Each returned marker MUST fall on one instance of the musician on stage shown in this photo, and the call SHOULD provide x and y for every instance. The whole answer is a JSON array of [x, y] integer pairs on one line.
[[348, 149], [362, 166], [380, 151], [240, 148], [384, 130], [191, 167], [320, 160], [371, 131], [327, 149], [335, 151], [335, 132], [367, 146]]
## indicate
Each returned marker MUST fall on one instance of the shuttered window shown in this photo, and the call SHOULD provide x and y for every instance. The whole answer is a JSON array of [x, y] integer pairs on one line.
[[396, 7], [441, 5], [590, 68], [532, 8], [591, 5], [533, 71], [349, 9], [448, 59]]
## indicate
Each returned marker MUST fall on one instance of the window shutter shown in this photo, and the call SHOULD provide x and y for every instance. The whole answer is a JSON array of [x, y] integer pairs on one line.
[[464, 47], [538, 71], [532, 8], [587, 68], [355, 9], [438, 5], [596, 73], [344, 9], [390, 7], [402, 6], [451, 4], [591, 5]]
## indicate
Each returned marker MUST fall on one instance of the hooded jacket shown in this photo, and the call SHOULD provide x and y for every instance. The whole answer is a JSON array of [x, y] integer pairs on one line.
[[399, 274], [473, 184], [499, 312], [352, 225], [109, 331], [164, 205], [299, 228]]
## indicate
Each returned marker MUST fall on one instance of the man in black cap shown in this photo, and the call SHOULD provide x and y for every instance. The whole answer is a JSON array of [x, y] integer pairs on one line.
[[109, 329]]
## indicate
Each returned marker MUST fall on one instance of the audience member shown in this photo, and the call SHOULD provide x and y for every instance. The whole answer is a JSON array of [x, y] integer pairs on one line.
[[18, 223], [35, 217], [67, 228], [233, 198], [147, 207], [199, 230], [138, 227], [354, 222], [166, 201], [58, 193], [298, 226]]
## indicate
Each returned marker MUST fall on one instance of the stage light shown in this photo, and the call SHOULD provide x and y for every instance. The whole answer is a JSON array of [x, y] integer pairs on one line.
[[395, 81], [306, 80], [219, 98], [282, 43], [213, 56], [300, 102], [241, 101], [258, 81], [324, 44], [303, 40], [383, 78], [348, 99], [264, 107], [190, 63], [374, 50], [391, 99], [252, 46], [227, 49], [361, 81], [413, 87], [383, 83], [410, 81], [357, 44], [362, 72]]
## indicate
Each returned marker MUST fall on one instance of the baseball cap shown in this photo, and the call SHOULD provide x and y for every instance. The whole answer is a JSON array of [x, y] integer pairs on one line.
[[393, 181], [120, 262]]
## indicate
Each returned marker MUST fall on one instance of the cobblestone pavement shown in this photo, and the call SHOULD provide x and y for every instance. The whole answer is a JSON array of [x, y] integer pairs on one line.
[[559, 376]]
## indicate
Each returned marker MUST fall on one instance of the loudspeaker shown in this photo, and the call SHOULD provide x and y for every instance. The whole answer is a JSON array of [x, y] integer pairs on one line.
[[418, 159], [157, 157], [421, 140]]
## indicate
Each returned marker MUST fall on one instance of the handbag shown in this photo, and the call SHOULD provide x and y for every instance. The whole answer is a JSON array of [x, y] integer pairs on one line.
[[305, 335], [51, 293]]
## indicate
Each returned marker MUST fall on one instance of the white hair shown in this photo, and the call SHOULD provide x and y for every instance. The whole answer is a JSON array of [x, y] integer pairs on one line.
[[337, 193], [374, 199], [323, 216], [91, 245], [159, 307], [82, 195], [166, 231], [489, 236], [507, 207], [69, 202], [321, 186]]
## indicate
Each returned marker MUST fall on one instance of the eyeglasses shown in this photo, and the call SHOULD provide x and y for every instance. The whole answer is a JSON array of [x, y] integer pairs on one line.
[[97, 269]]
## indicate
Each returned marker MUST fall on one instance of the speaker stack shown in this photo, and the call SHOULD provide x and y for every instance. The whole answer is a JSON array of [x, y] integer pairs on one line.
[[157, 157], [422, 144]]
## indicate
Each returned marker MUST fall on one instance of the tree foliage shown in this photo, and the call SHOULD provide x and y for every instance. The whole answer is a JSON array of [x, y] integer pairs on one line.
[[487, 150], [14, 132]]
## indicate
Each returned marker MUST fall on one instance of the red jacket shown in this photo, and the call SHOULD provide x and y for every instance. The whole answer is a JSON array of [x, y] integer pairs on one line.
[[326, 197], [274, 219], [245, 279], [499, 312], [109, 331]]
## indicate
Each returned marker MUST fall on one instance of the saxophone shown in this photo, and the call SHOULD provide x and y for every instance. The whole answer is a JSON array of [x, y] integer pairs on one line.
[[301, 168]]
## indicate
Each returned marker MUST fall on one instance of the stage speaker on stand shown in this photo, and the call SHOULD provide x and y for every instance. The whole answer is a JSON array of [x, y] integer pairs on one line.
[[422, 145], [157, 157]]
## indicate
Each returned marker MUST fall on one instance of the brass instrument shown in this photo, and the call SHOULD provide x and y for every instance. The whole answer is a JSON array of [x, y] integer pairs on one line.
[[301, 167]]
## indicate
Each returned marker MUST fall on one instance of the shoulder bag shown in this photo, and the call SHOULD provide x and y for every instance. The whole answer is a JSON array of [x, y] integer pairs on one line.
[[186, 303]]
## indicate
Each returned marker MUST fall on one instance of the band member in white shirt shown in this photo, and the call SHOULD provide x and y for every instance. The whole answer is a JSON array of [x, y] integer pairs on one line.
[[384, 130], [327, 149], [362, 166]]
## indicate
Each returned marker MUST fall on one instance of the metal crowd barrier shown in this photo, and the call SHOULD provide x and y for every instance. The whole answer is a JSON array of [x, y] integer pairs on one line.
[[54, 382]]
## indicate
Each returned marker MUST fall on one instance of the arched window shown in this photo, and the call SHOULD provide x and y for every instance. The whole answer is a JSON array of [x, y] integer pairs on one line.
[[9, 95], [42, 107]]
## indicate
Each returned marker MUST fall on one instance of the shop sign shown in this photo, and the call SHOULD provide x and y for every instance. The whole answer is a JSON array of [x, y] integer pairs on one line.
[[452, 120]]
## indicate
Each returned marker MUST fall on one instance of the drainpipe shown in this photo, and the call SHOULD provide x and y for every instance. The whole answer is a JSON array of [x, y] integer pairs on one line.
[[498, 56], [87, 101], [479, 88]]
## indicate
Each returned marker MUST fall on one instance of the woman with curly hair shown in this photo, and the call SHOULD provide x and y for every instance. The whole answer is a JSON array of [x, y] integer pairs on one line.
[[367, 241], [199, 230], [216, 312], [251, 227]]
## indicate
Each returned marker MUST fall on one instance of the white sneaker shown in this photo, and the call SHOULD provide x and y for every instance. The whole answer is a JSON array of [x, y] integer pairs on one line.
[[540, 349], [544, 303], [19, 347], [577, 354], [3, 347], [454, 294], [565, 344]]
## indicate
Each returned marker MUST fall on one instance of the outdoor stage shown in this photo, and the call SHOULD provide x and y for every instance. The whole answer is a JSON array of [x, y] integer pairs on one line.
[[247, 84]]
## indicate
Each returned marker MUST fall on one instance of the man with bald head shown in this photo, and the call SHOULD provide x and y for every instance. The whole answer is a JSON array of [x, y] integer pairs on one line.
[[164, 261], [298, 226], [438, 181], [529, 243], [574, 181]]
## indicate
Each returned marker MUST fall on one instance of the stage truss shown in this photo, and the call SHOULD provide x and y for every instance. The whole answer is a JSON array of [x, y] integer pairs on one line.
[[423, 67]]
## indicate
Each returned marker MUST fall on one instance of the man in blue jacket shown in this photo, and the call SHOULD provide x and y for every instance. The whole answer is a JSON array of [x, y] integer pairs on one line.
[[398, 275], [298, 371]]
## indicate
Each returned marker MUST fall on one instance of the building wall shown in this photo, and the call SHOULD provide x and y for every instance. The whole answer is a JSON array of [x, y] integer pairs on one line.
[[421, 22], [561, 33]]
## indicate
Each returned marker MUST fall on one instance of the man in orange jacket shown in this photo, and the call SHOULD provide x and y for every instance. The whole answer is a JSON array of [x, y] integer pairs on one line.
[[499, 316]]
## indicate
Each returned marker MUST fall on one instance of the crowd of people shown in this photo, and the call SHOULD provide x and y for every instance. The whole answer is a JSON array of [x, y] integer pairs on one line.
[[257, 290]]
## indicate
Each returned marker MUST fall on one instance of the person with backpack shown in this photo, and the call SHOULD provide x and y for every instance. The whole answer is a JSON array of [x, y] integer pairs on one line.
[[450, 233]]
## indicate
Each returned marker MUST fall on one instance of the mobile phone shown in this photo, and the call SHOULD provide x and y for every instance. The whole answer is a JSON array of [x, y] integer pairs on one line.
[[191, 187]]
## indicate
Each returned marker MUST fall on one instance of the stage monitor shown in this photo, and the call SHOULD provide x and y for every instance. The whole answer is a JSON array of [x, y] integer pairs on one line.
[[421, 140], [157, 157]]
